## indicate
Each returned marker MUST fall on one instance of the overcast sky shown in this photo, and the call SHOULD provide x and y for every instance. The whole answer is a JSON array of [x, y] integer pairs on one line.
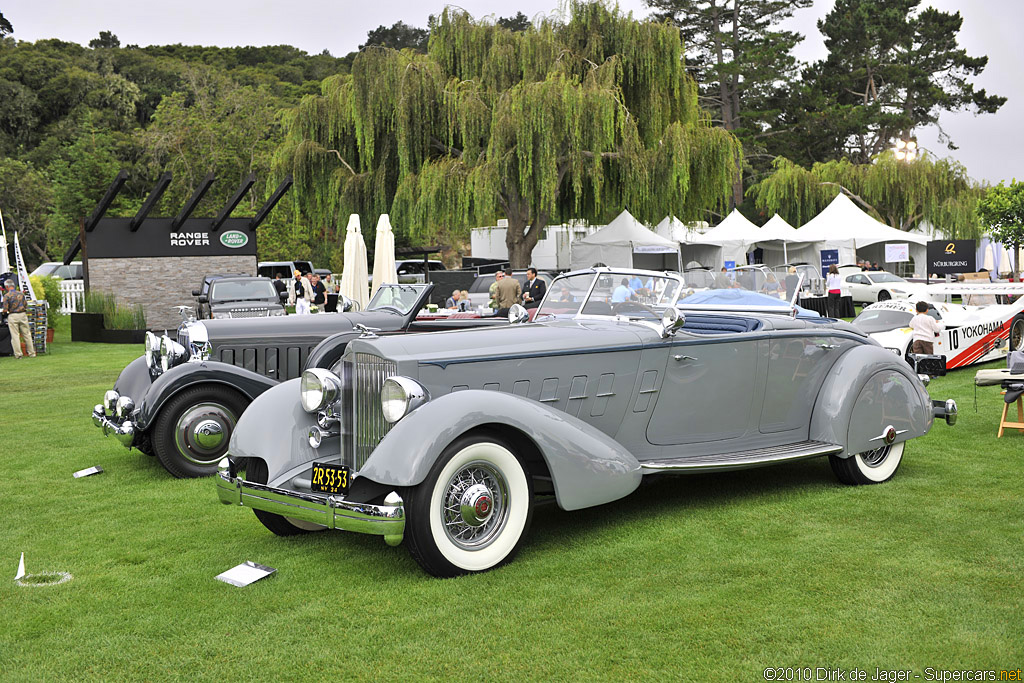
[[991, 146]]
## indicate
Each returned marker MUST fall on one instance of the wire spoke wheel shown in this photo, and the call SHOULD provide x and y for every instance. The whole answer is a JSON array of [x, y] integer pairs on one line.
[[475, 506]]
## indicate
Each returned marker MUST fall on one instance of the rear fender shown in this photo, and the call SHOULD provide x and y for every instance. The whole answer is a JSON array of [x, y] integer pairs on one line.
[[187, 375], [587, 466], [866, 391]]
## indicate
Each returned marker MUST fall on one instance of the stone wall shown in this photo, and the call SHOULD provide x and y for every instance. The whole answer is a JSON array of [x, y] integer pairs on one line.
[[159, 284]]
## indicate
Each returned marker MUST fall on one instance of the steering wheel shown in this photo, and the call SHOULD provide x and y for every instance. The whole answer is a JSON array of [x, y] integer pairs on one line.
[[626, 306]]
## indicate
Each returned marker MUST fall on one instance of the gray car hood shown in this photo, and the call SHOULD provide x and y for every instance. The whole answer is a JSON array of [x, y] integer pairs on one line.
[[498, 342], [297, 327]]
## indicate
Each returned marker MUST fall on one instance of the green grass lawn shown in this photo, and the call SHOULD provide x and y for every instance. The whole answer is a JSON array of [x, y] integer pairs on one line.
[[711, 577]]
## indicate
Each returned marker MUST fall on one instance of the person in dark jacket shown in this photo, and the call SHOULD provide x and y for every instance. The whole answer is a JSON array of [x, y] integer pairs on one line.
[[535, 289]]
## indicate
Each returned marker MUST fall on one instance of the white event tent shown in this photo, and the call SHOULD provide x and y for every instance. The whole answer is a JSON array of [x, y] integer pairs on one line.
[[625, 243], [735, 236], [843, 226], [689, 239]]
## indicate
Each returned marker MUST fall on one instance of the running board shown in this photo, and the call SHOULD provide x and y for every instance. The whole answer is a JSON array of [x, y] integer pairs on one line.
[[742, 459]]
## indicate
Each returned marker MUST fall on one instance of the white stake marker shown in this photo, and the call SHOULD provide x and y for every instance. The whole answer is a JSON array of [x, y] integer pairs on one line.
[[21, 568]]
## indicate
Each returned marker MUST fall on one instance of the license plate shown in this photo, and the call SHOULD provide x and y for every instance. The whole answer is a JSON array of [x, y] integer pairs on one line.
[[330, 478]]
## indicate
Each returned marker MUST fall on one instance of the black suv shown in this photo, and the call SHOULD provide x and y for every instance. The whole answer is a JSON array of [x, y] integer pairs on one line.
[[238, 296]]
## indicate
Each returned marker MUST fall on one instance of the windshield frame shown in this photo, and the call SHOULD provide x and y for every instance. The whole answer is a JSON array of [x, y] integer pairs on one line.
[[595, 275], [389, 308]]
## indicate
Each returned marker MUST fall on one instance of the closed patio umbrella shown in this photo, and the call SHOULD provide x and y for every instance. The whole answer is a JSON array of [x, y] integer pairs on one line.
[[384, 255], [353, 277]]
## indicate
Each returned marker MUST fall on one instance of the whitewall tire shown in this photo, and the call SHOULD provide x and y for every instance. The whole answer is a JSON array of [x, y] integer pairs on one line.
[[869, 467], [472, 511]]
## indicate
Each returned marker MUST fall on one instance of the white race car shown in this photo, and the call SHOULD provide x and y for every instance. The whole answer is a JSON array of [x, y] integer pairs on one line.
[[975, 333], [877, 285]]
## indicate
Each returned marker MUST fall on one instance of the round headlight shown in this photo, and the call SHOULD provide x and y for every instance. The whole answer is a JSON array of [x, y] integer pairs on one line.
[[152, 348], [399, 396], [171, 353], [318, 388]]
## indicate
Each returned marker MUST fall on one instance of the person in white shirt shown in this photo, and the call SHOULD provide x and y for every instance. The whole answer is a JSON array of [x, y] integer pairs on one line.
[[834, 291], [305, 297], [926, 329]]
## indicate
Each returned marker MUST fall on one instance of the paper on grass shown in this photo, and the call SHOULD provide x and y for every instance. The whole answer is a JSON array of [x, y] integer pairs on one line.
[[245, 573], [87, 472], [21, 568]]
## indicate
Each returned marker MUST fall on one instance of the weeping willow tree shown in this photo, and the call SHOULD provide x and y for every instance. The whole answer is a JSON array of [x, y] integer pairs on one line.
[[574, 118], [899, 193]]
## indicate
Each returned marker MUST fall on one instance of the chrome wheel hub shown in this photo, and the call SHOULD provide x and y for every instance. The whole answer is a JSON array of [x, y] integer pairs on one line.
[[475, 505], [203, 431], [208, 434]]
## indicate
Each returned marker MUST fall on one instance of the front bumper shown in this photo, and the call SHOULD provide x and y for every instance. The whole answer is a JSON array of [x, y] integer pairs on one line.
[[386, 520], [946, 409], [114, 419]]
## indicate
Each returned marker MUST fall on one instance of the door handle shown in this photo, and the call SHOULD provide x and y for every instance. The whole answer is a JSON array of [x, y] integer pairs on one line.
[[683, 358], [827, 347]]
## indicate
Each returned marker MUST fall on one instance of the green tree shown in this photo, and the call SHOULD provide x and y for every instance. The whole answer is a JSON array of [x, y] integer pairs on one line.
[[106, 40], [890, 69], [398, 36], [5, 26], [1001, 212], [25, 199], [517, 24], [742, 59], [566, 119], [898, 193]]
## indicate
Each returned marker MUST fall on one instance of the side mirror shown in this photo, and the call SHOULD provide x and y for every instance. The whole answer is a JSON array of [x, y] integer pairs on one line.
[[344, 303], [517, 314], [283, 295], [195, 292], [671, 321], [203, 299]]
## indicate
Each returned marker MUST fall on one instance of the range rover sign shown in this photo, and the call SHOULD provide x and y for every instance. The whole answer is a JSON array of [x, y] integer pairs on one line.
[[154, 238]]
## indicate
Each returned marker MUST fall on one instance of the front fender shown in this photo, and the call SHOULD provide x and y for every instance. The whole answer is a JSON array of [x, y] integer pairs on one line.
[[867, 390], [275, 429], [190, 374], [587, 466], [135, 380]]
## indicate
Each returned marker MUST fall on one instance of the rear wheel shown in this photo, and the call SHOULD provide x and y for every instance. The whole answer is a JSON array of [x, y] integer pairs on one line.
[[884, 295], [256, 472], [472, 511], [869, 467], [191, 434]]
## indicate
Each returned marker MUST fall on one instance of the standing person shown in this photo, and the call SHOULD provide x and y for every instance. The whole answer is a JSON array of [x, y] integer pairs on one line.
[[493, 289], [508, 292], [17, 320], [279, 284], [834, 291], [535, 289], [791, 281], [303, 295], [453, 301], [926, 329], [319, 291], [294, 288]]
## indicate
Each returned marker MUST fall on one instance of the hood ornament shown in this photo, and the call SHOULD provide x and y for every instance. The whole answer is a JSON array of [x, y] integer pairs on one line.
[[366, 332], [186, 312]]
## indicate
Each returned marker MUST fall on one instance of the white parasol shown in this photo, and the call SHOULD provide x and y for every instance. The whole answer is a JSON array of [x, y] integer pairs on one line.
[[5, 266], [353, 277], [384, 255]]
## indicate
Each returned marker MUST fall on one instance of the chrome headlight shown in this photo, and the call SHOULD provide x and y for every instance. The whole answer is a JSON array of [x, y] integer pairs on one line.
[[896, 351], [276, 312], [171, 353], [399, 396], [196, 338], [318, 388], [152, 349], [220, 315]]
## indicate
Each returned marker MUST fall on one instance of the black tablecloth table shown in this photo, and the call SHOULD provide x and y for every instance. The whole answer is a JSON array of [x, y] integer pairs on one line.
[[5, 339], [332, 303], [820, 304]]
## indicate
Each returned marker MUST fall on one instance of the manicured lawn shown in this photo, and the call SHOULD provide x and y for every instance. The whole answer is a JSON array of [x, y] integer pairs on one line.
[[712, 577]]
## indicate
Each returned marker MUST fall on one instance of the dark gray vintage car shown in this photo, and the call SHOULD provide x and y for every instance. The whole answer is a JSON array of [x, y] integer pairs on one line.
[[444, 440], [181, 400]]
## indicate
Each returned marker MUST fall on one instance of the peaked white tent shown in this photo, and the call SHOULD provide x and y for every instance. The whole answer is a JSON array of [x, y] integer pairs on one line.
[[842, 225], [735, 235], [690, 241], [778, 234], [625, 243]]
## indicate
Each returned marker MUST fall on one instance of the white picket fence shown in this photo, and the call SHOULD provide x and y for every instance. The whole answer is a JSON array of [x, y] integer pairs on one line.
[[72, 295]]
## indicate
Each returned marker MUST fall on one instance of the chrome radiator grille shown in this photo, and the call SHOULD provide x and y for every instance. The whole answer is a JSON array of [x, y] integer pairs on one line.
[[365, 375], [249, 313]]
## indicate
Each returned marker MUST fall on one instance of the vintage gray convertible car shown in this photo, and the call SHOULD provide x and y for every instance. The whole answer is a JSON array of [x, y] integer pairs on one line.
[[444, 440], [181, 400]]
